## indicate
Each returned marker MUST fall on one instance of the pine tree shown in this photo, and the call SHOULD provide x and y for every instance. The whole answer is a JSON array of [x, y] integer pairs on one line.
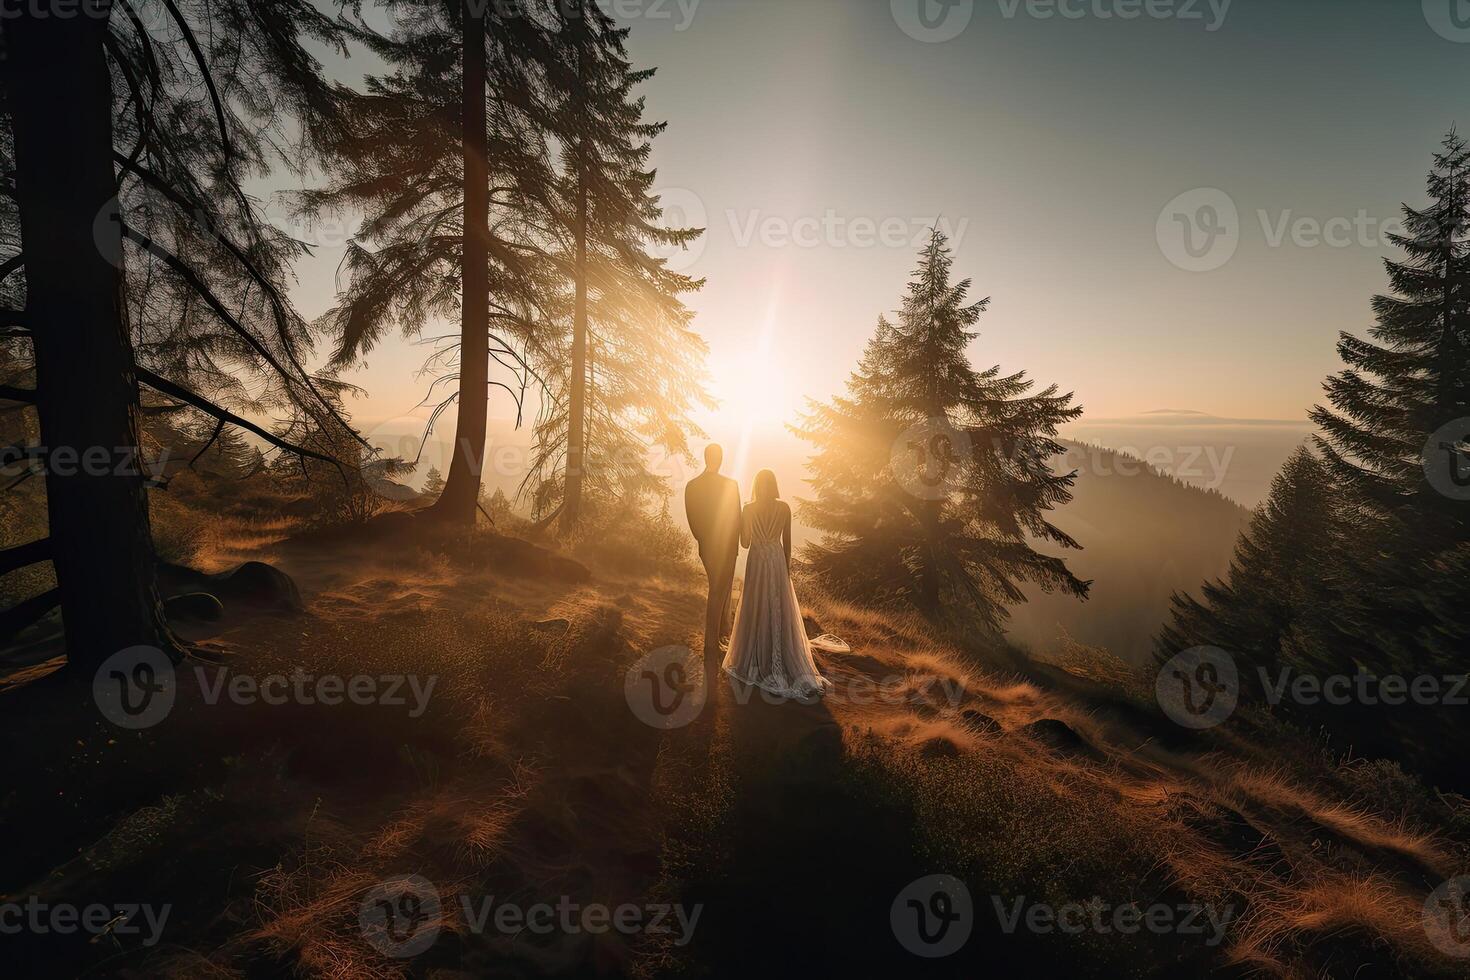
[[632, 371], [497, 507], [1399, 390], [433, 483], [1278, 586], [1356, 565], [95, 102], [1413, 376], [446, 155], [932, 478]]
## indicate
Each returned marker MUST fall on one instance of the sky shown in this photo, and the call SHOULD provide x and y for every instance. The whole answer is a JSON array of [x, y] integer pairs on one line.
[[1173, 204]]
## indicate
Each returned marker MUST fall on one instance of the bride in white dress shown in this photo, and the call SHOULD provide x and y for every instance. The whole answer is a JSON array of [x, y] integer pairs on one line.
[[769, 648]]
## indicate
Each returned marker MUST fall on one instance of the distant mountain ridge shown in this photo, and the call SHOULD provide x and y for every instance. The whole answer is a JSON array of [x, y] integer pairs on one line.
[[1144, 534]]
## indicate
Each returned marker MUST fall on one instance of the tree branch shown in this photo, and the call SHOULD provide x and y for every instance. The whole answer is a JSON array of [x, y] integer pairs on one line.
[[18, 617], [278, 303], [26, 554], [167, 387]]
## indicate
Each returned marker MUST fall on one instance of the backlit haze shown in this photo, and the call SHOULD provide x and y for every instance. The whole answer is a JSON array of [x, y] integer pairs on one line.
[[817, 140]]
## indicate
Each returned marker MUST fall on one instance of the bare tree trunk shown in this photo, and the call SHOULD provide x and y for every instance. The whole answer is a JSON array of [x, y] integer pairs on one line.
[[577, 406], [60, 96], [458, 502], [577, 401]]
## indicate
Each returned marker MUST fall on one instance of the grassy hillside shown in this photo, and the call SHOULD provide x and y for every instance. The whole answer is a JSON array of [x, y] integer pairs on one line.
[[786, 833]]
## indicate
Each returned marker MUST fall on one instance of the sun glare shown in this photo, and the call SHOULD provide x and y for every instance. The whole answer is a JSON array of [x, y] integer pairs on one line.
[[756, 390]]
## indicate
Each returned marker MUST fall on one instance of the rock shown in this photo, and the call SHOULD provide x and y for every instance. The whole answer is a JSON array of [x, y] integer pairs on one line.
[[980, 721], [254, 582], [257, 582], [194, 605], [939, 748], [1058, 735]]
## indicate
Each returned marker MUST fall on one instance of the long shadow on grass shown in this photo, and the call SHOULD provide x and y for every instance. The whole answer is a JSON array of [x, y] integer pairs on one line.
[[815, 849]]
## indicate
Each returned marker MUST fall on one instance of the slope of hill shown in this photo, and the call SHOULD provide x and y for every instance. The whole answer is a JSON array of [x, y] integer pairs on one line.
[[286, 839], [1144, 535]]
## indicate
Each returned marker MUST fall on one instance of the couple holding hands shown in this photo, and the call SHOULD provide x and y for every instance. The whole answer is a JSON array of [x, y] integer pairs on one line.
[[768, 645]]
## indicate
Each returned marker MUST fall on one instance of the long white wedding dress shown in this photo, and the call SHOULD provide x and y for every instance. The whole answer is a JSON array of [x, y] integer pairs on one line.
[[769, 648]]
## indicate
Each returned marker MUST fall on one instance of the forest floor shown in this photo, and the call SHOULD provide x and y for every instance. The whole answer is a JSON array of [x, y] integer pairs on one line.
[[511, 811]]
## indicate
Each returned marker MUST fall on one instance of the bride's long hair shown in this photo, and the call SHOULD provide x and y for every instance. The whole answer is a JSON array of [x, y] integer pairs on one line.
[[765, 488]]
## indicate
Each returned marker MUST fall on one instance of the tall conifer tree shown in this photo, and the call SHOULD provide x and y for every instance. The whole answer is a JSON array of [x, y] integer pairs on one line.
[[933, 480], [631, 370]]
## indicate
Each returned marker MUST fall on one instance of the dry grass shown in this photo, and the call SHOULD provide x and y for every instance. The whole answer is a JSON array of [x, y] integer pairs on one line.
[[525, 779], [1116, 814]]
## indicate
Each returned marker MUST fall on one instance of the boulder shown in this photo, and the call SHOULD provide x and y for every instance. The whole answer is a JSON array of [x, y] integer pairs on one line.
[[254, 583], [1058, 735], [199, 606], [939, 748], [257, 582]]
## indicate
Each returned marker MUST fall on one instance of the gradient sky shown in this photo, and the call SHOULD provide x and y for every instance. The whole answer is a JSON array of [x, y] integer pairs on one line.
[[1049, 146]]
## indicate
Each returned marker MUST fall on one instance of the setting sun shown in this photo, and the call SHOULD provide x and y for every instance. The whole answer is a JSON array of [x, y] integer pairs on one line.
[[757, 392]]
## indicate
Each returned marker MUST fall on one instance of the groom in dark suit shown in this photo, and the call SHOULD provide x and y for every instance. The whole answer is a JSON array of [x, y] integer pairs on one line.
[[712, 503]]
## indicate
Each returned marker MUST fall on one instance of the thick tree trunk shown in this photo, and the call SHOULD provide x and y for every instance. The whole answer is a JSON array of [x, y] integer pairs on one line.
[[577, 406], [60, 98], [458, 503], [929, 600]]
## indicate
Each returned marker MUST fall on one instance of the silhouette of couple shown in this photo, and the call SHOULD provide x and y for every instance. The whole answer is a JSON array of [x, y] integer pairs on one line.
[[768, 646]]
